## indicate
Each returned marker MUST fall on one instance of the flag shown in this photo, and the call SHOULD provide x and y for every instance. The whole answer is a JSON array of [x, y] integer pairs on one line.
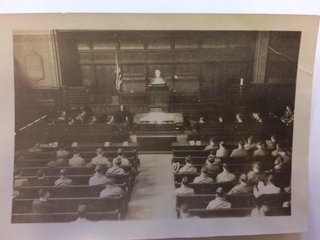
[[118, 74]]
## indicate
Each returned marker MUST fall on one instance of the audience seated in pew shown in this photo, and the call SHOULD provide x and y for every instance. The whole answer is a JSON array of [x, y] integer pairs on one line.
[[63, 181], [116, 169], [272, 143], [76, 160], [43, 205], [184, 189], [279, 151], [260, 211], [213, 164], [42, 179], [242, 187], [222, 151], [62, 152], [57, 162], [82, 213], [204, 177], [249, 144], [98, 178], [188, 168], [212, 146], [99, 160], [18, 181], [225, 176], [267, 187], [260, 151], [124, 161], [184, 212], [219, 201], [255, 176], [111, 190], [240, 151]]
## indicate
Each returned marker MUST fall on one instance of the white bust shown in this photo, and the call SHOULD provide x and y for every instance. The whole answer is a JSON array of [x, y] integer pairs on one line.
[[157, 79]]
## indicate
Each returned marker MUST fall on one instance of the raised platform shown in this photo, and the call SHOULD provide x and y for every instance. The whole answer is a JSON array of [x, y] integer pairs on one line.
[[156, 142]]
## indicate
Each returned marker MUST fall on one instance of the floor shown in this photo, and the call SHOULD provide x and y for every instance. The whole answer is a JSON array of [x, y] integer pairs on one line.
[[152, 196]]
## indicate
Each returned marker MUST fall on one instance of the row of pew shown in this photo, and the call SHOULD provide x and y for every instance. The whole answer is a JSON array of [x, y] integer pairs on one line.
[[242, 204], [67, 199]]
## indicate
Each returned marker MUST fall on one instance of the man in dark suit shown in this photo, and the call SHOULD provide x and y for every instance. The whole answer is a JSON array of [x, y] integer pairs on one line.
[[42, 205]]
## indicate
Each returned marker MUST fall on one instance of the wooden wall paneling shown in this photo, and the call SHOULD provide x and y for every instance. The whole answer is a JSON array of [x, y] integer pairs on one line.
[[105, 79]]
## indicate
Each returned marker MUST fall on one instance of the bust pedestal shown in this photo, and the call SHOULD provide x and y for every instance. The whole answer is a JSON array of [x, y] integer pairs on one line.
[[158, 96]]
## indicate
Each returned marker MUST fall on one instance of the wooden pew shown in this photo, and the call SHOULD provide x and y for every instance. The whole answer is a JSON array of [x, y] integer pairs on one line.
[[84, 179], [229, 160], [191, 176], [65, 205], [209, 188], [237, 212], [87, 155], [43, 162], [230, 131], [74, 191], [83, 132], [62, 217], [32, 171], [234, 168], [92, 146], [201, 201]]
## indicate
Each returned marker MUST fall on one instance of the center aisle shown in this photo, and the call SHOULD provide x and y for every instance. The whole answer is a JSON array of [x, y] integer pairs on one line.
[[152, 196]]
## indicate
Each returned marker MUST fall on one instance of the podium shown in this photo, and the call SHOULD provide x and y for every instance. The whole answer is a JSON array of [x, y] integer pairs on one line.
[[158, 96]]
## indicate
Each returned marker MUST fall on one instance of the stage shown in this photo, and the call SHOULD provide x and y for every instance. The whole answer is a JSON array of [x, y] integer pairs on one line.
[[157, 130]]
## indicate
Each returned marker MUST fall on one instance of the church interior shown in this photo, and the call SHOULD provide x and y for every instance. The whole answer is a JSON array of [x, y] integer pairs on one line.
[[177, 106]]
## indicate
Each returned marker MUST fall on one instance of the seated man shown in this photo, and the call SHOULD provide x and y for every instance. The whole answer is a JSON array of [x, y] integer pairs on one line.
[[268, 188], [213, 165], [261, 151], [255, 176], [82, 213], [203, 178], [222, 151], [62, 152], [225, 176], [272, 143], [239, 118], [98, 178], [100, 160], [111, 190], [63, 181], [240, 151], [116, 169], [57, 162], [242, 187], [211, 146], [184, 212], [188, 168], [219, 201], [184, 189], [42, 205], [76, 160], [124, 161], [193, 136], [157, 79], [122, 117], [288, 116], [42, 179], [279, 151], [19, 181], [249, 144]]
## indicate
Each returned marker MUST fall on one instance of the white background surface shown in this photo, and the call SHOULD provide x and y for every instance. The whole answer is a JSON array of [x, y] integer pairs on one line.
[[308, 7]]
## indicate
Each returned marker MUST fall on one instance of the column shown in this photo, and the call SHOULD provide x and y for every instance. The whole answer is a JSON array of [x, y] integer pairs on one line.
[[260, 58]]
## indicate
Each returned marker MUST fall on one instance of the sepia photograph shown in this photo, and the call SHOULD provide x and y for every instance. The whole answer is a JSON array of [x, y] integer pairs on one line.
[[181, 125]]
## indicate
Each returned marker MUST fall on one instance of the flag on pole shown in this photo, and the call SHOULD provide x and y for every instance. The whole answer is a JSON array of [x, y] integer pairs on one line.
[[118, 74]]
